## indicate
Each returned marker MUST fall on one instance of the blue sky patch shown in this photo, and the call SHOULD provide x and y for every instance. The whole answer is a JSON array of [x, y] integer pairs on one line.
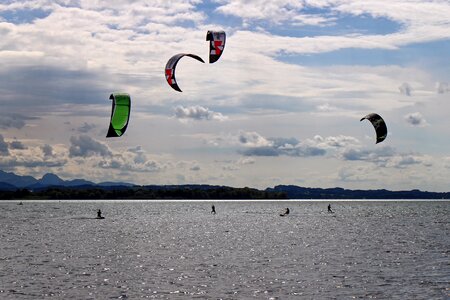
[[24, 16], [343, 25], [426, 55]]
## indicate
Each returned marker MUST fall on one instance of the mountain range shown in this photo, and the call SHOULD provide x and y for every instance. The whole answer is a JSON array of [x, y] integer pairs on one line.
[[12, 182]]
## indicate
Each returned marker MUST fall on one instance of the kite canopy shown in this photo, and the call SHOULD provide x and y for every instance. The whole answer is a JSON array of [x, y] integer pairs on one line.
[[120, 114], [216, 44], [379, 125], [172, 64]]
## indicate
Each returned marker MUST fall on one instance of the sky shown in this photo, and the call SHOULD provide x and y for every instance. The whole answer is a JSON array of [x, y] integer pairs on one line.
[[281, 106]]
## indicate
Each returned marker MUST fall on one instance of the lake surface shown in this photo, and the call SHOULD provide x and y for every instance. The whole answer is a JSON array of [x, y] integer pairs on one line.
[[178, 250]]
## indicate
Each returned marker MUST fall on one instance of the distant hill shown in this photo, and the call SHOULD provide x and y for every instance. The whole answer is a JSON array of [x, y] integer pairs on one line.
[[52, 186], [296, 192], [11, 181], [16, 180], [7, 187]]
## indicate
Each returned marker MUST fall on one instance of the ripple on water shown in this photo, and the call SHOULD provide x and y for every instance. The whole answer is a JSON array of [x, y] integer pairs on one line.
[[173, 250]]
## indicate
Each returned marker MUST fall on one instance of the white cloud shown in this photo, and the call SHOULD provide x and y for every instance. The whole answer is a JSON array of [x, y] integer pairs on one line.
[[257, 145], [253, 139], [198, 113], [416, 119], [339, 141], [326, 108], [31, 158]]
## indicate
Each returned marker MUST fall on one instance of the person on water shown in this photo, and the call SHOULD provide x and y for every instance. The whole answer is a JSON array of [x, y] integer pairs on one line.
[[99, 214], [286, 212], [213, 209], [329, 208]]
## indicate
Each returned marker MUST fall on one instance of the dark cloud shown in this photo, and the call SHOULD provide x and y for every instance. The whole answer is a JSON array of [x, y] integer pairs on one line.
[[17, 145], [47, 150], [368, 155], [13, 121], [85, 146], [405, 89], [384, 157], [40, 87], [86, 127], [260, 151], [195, 168], [30, 162], [3, 146], [416, 119]]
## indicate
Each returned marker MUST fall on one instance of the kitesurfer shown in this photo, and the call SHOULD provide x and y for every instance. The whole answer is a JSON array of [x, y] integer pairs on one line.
[[329, 208], [286, 212], [99, 214], [213, 209]]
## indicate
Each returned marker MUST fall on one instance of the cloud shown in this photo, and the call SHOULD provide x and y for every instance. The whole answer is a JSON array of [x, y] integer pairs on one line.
[[17, 145], [86, 127], [236, 165], [246, 161], [195, 168], [431, 26], [442, 87], [358, 174], [31, 157], [447, 162], [125, 162], [253, 139], [135, 159], [326, 108], [385, 157], [198, 113], [405, 89], [275, 11], [140, 156], [3, 146], [13, 121], [416, 119], [339, 141], [368, 155], [85, 146], [47, 150], [14, 162], [257, 145]]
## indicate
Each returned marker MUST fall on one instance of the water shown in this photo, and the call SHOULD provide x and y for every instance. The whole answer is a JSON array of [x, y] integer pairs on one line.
[[178, 250]]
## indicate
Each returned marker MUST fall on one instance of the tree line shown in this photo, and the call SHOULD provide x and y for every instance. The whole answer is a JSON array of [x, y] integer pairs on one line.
[[142, 193]]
